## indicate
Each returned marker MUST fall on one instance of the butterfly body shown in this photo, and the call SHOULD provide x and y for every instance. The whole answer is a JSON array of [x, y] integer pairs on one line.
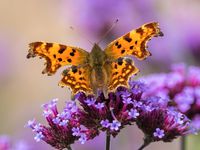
[[99, 72], [102, 70]]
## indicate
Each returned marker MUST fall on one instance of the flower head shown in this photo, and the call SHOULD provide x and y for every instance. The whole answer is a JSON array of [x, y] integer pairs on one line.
[[114, 113], [64, 128], [123, 107], [160, 122], [181, 86]]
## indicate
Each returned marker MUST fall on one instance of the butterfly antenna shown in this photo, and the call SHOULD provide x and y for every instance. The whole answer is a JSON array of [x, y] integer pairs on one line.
[[81, 35], [108, 31]]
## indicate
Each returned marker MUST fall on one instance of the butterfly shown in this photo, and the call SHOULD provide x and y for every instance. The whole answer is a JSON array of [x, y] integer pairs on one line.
[[98, 70]]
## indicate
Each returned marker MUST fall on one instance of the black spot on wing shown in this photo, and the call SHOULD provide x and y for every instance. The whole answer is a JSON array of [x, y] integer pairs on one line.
[[122, 51], [71, 54], [119, 46], [140, 31], [74, 69], [59, 59], [62, 49], [128, 39], [48, 46], [131, 47], [120, 61], [117, 43], [69, 60]]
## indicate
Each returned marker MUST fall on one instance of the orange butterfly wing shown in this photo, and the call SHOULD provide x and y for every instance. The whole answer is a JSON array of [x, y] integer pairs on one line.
[[77, 78], [134, 42], [121, 70], [57, 55]]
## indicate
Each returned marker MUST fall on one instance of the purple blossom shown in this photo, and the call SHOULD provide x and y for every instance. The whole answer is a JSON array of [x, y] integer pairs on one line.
[[76, 131], [127, 100], [90, 101], [83, 138], [181, 86], [172, 122], [99, 105], [159, 133], [63, 123], [123, 107], [115, 125], [64, 128], [113, 113], [133, 113], [39, 136], [105, 123]]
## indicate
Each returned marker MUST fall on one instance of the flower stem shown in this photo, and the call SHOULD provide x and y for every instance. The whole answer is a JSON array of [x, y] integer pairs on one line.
[[107, 141], [183, 143], [69, 148], [147, 141]]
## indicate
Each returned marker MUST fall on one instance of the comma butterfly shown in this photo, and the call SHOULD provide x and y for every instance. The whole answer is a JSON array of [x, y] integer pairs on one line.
[[103, 70]]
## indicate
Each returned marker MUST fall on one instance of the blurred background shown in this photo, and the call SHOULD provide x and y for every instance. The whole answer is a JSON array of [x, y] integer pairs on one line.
[[23, 89]]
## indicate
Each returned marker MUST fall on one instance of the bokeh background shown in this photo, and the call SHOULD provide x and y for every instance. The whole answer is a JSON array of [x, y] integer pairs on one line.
[[22, 86]]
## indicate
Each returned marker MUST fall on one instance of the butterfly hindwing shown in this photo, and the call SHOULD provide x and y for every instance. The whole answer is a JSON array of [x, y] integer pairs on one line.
[[77, 79], [134, 42], [121, 70], [57, 55]]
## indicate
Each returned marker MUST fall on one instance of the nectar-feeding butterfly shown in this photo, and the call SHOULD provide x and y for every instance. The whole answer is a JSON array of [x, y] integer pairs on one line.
[[103, 70]]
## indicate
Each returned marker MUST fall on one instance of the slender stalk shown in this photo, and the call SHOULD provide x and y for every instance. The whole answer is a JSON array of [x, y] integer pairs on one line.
[[147, 141], [183, 143], [143, 146], [69, 148], [107, 141]]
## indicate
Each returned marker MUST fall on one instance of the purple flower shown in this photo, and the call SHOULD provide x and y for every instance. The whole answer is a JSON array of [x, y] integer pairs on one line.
[[115, 125], [64, 128], [83, 138], [114, 113], [39, 136], [133, 113], [181, 86], [123, 107], [99, 105], [162, 122], [94, 115], [159, 133], [90, 101], [76, 131], [105, 123]]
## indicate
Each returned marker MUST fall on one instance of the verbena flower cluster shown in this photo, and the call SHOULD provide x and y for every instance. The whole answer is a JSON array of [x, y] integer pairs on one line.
[[182, 86], [83, 119]]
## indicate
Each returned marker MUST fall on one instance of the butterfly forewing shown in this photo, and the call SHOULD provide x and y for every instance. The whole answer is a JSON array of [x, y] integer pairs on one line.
[[134, 42], [57, 55]]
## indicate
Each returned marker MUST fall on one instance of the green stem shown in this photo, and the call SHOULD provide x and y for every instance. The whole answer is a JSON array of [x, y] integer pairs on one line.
[[183, 143], [107, 141]]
